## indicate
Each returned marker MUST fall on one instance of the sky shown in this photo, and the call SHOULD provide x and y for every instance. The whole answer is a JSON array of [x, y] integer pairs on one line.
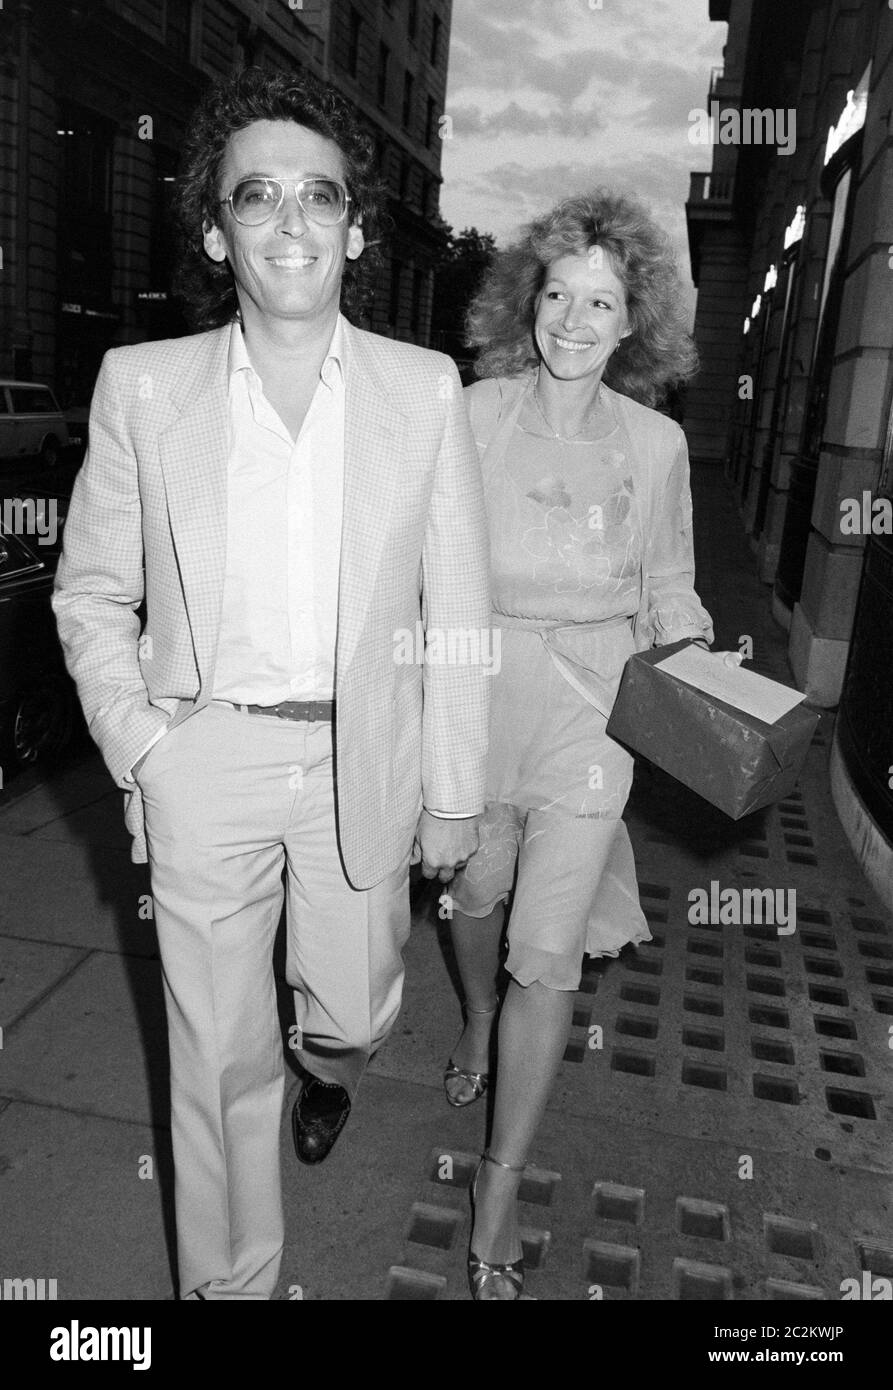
[[553, 97]]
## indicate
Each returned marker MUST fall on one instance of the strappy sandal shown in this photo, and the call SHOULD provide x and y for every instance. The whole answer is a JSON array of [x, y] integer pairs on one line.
[[477, 1080], [481, 1271]]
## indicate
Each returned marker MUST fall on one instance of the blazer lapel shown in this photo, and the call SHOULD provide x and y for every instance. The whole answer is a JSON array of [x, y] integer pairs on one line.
[[374, 447], [194, 463]]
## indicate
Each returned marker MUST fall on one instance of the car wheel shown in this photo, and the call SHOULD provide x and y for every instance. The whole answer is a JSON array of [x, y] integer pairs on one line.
[[42, 722], [49, 452]]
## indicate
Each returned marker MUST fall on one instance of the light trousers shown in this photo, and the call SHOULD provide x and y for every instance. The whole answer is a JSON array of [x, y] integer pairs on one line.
[[230, 800]]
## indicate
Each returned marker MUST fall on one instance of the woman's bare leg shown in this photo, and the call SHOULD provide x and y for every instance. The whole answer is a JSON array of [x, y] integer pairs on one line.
[[533, 1030], [476, 947]]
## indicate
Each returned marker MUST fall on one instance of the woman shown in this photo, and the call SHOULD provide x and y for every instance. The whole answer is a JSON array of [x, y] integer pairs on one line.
[[582, 327]]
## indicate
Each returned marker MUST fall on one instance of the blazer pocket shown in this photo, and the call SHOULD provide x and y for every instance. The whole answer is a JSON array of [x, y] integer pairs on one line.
[[146, 758]]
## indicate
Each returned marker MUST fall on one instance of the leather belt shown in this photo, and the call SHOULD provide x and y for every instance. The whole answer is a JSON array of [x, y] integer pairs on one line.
[[310, 711]]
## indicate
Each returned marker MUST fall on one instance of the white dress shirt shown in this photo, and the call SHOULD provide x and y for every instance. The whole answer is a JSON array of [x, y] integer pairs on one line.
[[284, 509]]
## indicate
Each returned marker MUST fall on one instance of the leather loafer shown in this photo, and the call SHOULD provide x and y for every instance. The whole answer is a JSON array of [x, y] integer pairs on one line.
[[319, 1115]]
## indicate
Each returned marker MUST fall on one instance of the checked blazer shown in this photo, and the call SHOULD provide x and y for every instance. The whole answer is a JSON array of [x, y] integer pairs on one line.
[[148, 520]]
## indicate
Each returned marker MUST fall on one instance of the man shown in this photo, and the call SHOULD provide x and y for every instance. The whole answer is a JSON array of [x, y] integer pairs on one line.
[[294, 488]]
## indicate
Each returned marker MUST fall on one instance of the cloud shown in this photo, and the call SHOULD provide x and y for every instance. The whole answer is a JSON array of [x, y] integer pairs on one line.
[[520, 120], [497, 56], [672, 92], [539, 186], [668, 89]]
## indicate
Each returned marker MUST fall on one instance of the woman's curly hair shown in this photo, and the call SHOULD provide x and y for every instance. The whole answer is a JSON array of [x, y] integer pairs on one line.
[[254, 94], [657, 353]]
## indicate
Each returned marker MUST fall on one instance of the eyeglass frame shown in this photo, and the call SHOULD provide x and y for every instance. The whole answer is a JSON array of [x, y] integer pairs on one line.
[[283, 184]]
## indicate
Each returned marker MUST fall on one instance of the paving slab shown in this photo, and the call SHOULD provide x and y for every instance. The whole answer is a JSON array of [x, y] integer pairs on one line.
[[73, 895], [347, 1220], [75, 1208], [99, 824], [72, 788], [28, 970], [96, 1044]]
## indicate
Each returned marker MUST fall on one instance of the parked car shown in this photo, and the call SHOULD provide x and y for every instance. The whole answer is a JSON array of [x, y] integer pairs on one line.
[[39, 713], [31, 423]]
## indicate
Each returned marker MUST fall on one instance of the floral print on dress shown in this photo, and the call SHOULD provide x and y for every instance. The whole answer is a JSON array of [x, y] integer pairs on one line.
[[582, 543]]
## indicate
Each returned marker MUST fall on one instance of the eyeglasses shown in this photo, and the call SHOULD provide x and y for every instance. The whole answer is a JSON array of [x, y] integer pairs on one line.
[[254, 201]]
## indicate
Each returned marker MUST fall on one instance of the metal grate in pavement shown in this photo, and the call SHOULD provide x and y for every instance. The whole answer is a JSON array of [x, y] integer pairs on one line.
[[793, 1229], [432, 1238], [754, 1026]]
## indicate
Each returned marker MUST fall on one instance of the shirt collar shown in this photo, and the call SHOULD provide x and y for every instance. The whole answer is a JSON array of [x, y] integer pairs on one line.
[[333, 364]]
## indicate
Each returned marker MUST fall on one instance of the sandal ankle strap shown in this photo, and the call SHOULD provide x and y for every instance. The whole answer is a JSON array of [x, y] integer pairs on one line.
[[470, 1010]]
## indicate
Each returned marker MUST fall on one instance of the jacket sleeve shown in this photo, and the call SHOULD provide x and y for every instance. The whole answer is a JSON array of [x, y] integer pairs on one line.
[[674, 609], [456, 617], [99, 586]]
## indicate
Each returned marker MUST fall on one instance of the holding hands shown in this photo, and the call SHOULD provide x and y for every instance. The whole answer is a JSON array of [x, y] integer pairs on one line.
[[444, 845]]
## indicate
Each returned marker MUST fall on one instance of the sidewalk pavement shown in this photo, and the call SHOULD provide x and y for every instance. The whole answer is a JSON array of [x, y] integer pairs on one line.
[[721, 1123]]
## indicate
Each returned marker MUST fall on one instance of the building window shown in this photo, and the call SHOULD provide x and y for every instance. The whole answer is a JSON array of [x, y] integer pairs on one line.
[[353, 42], [412, 19], [407, 101], [246, 49], [404, 179], [178, 27], [85, 194], [418, 289], [86, 161], [436, 27], [381, 152], [394, 306], [162, 239], [430, 121], [390, 167], [384, 54]]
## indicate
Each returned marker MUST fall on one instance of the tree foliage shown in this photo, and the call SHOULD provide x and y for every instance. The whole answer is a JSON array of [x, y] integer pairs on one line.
[[465, 257]]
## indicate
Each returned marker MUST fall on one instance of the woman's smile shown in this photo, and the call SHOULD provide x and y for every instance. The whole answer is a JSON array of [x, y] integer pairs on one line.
[[571, 344]]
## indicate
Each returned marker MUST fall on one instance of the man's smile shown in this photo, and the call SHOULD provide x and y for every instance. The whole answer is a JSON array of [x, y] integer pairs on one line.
[[294, 260]]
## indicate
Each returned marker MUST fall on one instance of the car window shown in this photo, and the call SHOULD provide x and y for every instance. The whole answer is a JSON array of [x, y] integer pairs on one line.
[[14, 557], [32, 400]]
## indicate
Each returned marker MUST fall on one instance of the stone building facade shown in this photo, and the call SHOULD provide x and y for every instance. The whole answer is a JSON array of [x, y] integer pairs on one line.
[[93, 101], [792, 248]]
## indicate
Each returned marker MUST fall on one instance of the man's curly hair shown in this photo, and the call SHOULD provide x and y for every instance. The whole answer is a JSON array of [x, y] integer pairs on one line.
[[206, 287], [658, 352]]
